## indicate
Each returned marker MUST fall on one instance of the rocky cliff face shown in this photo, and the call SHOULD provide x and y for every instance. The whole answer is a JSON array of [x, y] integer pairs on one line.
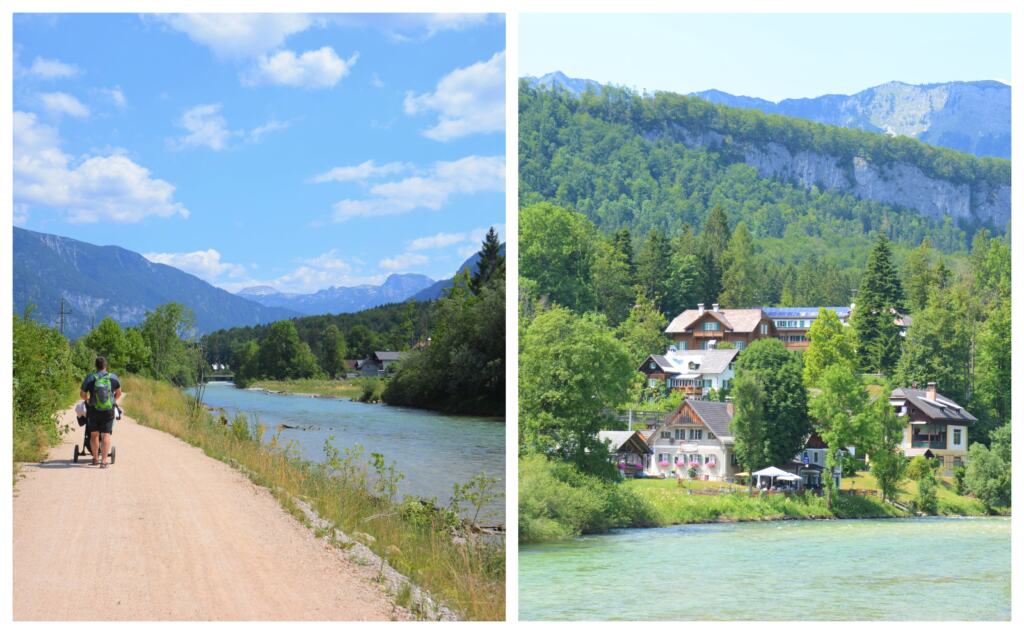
[[899, 184], [967, 116]]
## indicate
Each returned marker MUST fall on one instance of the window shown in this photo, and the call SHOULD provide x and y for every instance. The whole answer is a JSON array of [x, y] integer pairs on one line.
[[680, 433], [956, 437], [653, 382], [739, 346], [711, 325], [683, 345], [696, 434], [764, 329], [807, 457], [663, 457], [666, 435]]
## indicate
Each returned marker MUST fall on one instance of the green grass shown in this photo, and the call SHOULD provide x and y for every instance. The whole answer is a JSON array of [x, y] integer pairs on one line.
[[319, 387], [949, 502], [673, 504], [468, 576]]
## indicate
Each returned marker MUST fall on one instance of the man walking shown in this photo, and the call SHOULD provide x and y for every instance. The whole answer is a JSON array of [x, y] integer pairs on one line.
[[100, 390]]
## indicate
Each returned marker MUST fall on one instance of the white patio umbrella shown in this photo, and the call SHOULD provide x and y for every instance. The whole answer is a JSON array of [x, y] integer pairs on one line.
[[770, 472]]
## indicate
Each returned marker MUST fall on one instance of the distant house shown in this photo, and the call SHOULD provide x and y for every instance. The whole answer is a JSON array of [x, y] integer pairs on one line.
[[702, 329], [936, 426], [694, 372], [380, 363], [352, 367], [793, 324], [809, 462], [628, 448], [696, 433]]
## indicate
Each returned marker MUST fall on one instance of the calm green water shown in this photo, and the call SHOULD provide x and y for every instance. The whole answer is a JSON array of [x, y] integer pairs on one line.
[[433, 451], [915, 569]]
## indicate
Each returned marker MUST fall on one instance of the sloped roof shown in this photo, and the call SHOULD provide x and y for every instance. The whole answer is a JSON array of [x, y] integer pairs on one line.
[[714, 414], [803, 312], [941, 408], [387, 355], [736, 319], [618, 439], [677, 362], [662, 362]]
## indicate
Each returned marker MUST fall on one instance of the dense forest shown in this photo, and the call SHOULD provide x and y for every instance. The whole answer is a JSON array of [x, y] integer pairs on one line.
[[619, 233]]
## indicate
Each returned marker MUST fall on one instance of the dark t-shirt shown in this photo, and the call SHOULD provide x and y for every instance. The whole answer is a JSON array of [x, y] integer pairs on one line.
[[88, 386]]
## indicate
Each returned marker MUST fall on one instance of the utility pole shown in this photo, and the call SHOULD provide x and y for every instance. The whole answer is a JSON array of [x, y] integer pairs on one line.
[[62, 313]]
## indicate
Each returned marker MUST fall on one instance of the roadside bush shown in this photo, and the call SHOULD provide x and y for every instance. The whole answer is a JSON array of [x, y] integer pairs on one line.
[[44, 382]]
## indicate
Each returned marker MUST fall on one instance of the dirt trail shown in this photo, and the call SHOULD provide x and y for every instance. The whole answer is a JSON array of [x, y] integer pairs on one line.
[[169, 533]]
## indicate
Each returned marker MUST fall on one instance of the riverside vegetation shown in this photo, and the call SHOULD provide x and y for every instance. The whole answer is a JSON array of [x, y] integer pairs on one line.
[[619, 233]]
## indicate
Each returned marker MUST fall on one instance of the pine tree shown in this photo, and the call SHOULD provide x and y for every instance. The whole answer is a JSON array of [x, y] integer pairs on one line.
[[879, 302], [623, 241], [489, 261], [714, 240], [741, 282], [652, 264], [921, 277]]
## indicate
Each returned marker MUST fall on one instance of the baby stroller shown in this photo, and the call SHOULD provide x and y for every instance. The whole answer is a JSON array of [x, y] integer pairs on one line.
[[80, 412]]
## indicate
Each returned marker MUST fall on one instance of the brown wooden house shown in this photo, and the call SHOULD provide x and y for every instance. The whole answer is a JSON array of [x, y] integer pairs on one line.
[[702, 329]]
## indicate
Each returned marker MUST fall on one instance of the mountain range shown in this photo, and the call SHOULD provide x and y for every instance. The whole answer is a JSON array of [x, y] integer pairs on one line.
[[967, 116], [341, 299], [109, 281]]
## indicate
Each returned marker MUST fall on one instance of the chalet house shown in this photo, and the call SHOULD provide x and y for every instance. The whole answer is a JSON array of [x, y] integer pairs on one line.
[[696, 433], [809, 463], [702, 329], [380, 363], [694, 372], [629, 450], [936, 426]]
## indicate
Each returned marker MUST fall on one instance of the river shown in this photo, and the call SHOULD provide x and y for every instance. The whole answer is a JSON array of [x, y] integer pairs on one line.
[[908, 569], [432, 450]]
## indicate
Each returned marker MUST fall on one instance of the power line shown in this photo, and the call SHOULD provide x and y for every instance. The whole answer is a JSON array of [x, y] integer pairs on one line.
[[62, 313]]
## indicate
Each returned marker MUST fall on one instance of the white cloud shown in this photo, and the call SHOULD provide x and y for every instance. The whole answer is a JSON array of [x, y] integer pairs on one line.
[[204, 264], [467, 100], [61, 103], [403, 262], [239, 35], [405, 27], [115, 95], [376, 81], [469, 175], [257, 133], [321, 68], [436, 241], [364, 171], [205, 126], [51, 69], [110, 188]]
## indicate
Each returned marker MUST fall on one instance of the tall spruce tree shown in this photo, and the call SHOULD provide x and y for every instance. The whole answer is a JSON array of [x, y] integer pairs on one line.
[[623, 241], [879, 303], [489, 262], [652, 265], [714, 240], [741, 282]]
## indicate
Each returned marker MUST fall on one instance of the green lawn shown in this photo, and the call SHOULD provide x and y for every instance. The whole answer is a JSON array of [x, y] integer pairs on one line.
[[320, 387], [949, 502], [674, 504]]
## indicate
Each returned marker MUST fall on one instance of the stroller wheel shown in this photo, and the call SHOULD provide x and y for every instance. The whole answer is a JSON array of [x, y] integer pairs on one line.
[[76, 453], [113, 454]]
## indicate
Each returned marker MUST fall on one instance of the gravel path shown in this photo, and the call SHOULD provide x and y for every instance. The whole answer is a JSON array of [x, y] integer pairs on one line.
[[169, 533]]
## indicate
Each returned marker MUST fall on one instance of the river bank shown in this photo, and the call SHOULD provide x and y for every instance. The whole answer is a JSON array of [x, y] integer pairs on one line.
[[351, 491]]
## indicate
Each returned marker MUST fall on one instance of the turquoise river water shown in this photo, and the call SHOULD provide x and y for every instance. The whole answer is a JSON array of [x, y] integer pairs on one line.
[[906, 569], [432, 450]]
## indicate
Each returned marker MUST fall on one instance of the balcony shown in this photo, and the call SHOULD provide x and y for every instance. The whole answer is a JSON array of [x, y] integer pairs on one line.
[[935, 443]]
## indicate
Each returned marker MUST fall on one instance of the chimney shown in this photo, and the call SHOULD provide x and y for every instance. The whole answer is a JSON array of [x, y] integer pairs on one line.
[[700, 308], [931, 390], [714, 307], [730, 407]]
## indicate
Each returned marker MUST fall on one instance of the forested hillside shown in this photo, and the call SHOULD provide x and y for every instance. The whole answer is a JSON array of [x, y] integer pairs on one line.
[[662, 162]]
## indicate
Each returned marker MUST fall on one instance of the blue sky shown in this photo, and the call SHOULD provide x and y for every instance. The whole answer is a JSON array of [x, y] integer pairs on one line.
[[772, 56], [299, 151]]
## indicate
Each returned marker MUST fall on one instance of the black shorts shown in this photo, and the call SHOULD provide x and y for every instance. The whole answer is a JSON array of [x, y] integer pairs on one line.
[[102, 422]]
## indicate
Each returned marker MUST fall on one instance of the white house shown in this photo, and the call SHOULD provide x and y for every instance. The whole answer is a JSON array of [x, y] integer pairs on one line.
[[695, 372], [697, 434]]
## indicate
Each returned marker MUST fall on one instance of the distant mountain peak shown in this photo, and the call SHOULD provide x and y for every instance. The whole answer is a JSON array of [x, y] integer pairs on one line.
[[397, 287]]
